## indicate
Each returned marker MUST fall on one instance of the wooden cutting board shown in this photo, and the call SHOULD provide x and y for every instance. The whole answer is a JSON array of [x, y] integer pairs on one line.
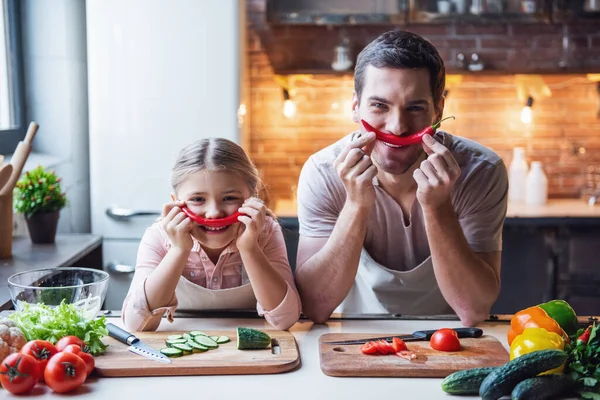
[[225, 360], [347, 360]]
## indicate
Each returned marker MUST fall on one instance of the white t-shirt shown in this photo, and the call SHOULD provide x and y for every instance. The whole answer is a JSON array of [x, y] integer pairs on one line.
[[479, 198]]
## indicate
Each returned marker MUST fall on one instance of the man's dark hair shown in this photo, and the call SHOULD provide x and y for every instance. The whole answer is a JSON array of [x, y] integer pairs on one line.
[[402, 49]]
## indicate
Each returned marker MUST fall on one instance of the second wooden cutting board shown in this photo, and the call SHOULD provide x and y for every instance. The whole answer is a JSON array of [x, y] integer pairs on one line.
[[347, 360], [225, 360]]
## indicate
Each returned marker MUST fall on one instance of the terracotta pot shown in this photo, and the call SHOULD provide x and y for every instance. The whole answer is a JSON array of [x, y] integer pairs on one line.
[[42, 227]]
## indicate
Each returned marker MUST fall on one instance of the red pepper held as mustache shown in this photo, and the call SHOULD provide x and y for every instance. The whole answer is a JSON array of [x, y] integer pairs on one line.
[[212, 222], [403, 140]]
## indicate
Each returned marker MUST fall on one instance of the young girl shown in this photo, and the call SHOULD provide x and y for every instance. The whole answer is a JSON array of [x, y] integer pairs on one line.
[[210, 263]]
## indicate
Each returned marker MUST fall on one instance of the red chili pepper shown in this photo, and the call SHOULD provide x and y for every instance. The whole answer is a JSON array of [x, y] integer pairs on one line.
[[585, 336], [402, 140], [212, 222]]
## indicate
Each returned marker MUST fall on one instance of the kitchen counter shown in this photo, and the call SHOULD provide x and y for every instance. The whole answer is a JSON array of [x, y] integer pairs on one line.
[[305, 382], [80, 250], [554, 208]]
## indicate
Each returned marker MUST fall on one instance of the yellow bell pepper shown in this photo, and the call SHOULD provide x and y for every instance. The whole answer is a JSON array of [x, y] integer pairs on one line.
[[534, 339]]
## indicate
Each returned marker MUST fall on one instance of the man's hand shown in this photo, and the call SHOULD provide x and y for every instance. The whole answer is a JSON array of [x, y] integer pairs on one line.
[[356, 169], [436, 175]]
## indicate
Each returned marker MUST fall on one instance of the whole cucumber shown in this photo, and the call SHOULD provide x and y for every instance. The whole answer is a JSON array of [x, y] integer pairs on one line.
[[543, 387], [503, 380]]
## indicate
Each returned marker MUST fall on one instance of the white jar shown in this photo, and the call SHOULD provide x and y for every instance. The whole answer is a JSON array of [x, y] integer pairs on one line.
[[537, 185], [517, 176]]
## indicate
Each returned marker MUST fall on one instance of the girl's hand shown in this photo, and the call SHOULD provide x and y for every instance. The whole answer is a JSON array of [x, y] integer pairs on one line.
[[253, 223], [178, 226]]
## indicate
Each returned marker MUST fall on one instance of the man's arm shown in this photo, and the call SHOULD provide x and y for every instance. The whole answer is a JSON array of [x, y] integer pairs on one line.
[[327, 266], [469, 281]]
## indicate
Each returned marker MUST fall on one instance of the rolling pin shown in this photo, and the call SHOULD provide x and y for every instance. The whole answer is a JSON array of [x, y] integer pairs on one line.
[[19, 158]]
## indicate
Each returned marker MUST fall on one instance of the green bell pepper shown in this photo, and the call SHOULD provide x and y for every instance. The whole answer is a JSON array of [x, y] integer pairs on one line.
[[563, 313]]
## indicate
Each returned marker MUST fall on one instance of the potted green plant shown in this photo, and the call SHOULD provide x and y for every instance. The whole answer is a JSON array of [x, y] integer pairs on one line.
[[38, 196]]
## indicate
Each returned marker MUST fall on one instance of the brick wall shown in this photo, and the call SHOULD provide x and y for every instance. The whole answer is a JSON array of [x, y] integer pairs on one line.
[[565, 134]]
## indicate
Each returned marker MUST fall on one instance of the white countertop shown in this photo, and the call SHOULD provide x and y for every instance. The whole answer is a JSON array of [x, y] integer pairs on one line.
[[554, 208], [306, 382]]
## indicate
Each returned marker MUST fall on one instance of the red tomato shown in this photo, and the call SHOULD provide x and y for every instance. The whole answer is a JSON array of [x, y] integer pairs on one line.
[[369, 348], [19, 373], [90, 363], [65, 372], [445, 339], [386, 348], [41, 350], [67, 340], [399, 344]]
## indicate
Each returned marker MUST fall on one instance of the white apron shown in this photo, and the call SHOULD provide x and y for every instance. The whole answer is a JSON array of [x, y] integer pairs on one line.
[[191, 296], [379, 290]]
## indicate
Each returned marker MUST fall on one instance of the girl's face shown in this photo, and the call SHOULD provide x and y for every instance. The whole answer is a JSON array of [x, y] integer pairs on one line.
[[214, 194]]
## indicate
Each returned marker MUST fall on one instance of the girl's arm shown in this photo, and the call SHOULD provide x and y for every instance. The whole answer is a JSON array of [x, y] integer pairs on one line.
[[268, 267], [152, 291]]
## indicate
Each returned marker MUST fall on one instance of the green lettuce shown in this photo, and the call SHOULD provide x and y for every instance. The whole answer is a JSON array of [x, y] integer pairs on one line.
[[41, 322]]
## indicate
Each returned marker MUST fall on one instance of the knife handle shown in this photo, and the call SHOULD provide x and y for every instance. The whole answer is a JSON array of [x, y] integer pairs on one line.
[[121, 334], [462, 333]]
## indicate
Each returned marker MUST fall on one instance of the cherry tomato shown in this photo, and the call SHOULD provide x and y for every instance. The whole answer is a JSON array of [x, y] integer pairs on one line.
[[19, 373], [65, 372], [67, 340], [41, 350], [90, 363], [445, 339]]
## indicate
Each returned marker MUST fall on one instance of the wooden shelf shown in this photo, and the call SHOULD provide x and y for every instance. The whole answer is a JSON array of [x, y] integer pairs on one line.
[[422, 17], [449, 71]]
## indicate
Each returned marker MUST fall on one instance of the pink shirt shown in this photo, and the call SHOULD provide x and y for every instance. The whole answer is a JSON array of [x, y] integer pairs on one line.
[[227, 273]]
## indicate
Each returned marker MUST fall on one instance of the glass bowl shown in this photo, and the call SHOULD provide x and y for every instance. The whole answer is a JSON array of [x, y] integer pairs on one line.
[[84, 287]]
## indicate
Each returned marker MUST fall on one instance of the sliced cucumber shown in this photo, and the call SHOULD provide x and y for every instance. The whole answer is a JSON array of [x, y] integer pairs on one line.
[[222, 339], [186, 336], [214, 338], [206, 341], [171, 342], [196, 333], [174, 337], [170, 352], [183, 347], [197, 347]]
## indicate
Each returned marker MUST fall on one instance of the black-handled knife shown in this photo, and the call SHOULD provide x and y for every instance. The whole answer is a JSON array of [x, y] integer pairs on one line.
[[416, 336], [135, 345]]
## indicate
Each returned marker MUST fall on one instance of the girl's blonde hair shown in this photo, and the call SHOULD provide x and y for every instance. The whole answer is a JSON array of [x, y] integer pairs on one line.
[[217, 154]]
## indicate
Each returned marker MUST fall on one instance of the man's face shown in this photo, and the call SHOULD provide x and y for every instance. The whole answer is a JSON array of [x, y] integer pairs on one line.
[[396, 101]]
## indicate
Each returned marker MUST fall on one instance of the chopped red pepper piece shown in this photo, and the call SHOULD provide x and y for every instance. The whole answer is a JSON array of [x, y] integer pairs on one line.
[[585, 336], [402, 140], [212, 222]]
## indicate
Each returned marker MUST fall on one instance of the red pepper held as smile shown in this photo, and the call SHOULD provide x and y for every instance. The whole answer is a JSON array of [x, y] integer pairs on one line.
[[402, 140], [212, 222]]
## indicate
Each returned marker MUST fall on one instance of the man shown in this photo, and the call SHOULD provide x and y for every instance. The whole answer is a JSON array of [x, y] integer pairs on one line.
[[415, 229]]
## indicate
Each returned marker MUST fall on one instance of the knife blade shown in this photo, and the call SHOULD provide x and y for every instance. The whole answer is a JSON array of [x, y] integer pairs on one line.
[[416, 336], [136, 345]]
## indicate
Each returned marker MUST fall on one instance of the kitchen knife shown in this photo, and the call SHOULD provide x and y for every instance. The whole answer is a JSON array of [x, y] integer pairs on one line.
[[416, 336], [135, 344]]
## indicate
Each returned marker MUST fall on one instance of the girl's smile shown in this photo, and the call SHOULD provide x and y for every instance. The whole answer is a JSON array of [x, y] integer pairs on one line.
[[213, 195]]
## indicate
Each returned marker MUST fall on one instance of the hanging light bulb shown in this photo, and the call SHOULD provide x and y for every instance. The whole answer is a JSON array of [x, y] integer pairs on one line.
[[526, 113], [289, 107]]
